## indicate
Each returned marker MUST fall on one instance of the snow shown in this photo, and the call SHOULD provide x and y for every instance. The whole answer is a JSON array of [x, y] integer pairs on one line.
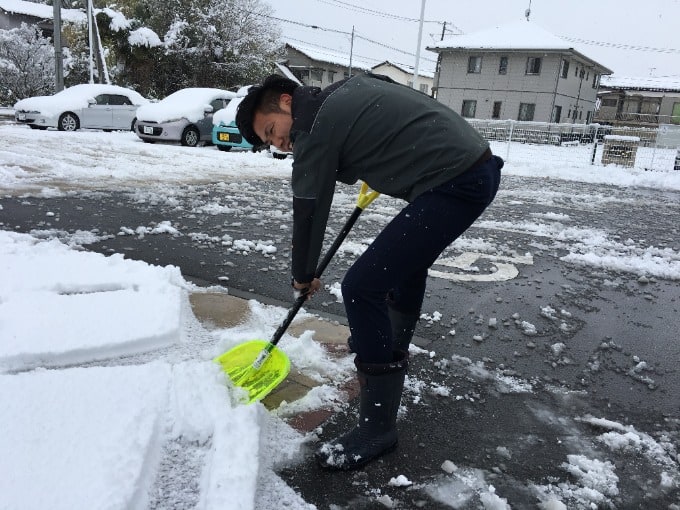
[[189, 103], [227, 115], [106, 372], [42, 11], [144, 37], [667, 83], [331, 57], [518, 35], [74, 98]]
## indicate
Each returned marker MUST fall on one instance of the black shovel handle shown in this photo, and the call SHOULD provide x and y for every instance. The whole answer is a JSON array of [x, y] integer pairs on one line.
[[364, 200]]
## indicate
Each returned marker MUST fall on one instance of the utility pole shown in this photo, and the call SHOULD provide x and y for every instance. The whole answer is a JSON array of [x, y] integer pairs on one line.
[[443, 31], [351, 52], [58, 55], [89, 30], [420, 36]]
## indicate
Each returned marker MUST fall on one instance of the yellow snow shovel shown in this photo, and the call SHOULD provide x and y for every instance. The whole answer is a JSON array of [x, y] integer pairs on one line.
[[258, 366]]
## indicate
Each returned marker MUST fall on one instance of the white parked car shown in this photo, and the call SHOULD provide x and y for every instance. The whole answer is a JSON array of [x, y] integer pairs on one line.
[[184, 116], [86, 106]]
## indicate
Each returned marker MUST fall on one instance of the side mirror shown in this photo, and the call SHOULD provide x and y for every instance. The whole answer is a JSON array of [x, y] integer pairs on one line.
[[91, 101], [208, 110]]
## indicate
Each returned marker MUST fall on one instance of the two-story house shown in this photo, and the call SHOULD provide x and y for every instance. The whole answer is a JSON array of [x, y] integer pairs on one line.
[[643, 102], [320, 67], [404, 74], [15, 12], [518, 71]]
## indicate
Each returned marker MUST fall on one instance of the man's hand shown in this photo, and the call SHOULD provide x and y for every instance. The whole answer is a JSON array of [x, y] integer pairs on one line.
[[307, 289]]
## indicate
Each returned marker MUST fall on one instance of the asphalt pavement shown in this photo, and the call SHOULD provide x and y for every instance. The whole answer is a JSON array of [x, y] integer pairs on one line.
[[514, 371]]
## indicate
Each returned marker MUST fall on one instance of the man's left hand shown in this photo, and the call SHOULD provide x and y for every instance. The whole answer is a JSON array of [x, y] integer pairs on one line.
[[307, 289]]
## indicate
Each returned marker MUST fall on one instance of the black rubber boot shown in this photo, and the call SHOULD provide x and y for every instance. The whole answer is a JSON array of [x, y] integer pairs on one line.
[[376, 433], [403, 327]]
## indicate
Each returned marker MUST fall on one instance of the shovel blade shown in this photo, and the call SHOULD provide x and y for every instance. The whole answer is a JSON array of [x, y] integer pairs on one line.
[[237, 364]]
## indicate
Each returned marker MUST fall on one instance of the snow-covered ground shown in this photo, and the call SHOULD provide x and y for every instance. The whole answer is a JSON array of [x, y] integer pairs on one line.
[[110, 398]]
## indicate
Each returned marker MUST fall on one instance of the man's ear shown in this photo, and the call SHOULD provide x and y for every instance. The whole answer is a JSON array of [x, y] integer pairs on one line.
[[285, 101]]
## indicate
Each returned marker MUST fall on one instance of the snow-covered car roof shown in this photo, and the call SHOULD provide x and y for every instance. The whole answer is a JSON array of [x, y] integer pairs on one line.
[[227, 115], [189, 103], [74, 98]]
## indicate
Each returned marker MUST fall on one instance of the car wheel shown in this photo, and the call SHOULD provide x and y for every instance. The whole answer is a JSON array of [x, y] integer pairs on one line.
[[279, 156], [190, 136], [133, 126], [69, 122], [145, 140], [225, 148]]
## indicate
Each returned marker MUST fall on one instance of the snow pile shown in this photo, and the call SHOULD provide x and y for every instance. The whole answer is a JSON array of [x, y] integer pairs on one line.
[[127, 433], [80, 306]]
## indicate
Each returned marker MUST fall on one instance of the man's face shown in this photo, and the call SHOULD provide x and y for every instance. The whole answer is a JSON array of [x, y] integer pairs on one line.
[[274, 128]]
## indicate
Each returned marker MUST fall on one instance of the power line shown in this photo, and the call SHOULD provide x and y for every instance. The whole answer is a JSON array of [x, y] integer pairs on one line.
[[299, 23], [381, 14], [620, 46], [340, 32], [390, 47], [334, 52]]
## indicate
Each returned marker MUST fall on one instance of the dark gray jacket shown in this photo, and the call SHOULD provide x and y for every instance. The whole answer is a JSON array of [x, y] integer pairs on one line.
[[397, 140]]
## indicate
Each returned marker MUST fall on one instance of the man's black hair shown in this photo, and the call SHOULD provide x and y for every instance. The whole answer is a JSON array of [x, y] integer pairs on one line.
[[253, 101]]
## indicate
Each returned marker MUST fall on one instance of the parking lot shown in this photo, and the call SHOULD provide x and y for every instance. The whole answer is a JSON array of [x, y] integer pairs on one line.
[[567, 286]]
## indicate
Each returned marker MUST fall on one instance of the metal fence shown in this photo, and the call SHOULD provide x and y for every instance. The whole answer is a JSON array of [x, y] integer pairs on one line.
[[541, 143]]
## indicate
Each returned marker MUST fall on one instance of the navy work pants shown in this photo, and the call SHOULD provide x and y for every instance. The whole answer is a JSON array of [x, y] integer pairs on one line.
[[395, 265]]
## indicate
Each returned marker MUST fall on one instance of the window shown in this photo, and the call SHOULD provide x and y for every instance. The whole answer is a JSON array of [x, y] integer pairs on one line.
[[423, 88], [469, 109], [526, 111], [596, 80], [589, 117], [301, 74], [317, 74], [331, 76], [496, 113], [118, 100], [556, 114], [565, 69], [474, 65], [533, 65], [217, 104], [611, 103], [503, 66]]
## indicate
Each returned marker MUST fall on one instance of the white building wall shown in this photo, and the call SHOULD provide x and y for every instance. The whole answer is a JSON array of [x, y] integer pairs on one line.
[[544, 90]]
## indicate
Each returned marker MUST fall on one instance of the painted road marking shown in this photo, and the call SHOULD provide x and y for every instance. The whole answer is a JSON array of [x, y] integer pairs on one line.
[[503, 269]]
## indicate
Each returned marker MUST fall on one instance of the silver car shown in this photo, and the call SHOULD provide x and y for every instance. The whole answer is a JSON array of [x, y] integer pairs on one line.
[[184, 116], [86, 106]]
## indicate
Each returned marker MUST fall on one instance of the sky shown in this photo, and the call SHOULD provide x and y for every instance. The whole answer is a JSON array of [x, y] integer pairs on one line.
[[597, 28], [113, 381]]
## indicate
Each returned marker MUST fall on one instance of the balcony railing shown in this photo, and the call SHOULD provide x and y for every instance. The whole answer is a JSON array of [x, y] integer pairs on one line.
[[647, 119]]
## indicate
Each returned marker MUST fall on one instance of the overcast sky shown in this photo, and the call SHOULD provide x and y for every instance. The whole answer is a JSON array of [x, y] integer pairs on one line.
[[593, 26]]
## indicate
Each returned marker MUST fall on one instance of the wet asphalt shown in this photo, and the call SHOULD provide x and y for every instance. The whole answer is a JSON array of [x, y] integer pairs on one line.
[[592, 329]]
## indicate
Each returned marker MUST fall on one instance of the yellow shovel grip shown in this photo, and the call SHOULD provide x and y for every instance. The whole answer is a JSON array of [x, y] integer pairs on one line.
[[366, 196]]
